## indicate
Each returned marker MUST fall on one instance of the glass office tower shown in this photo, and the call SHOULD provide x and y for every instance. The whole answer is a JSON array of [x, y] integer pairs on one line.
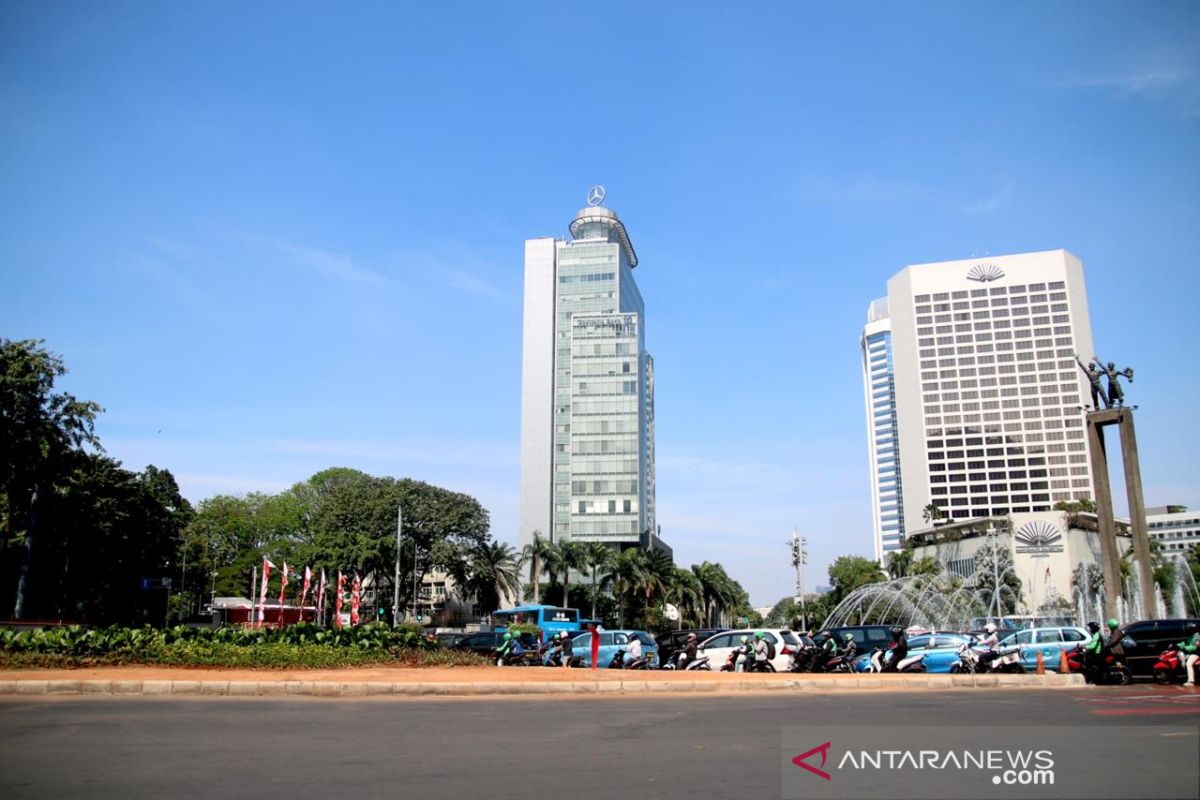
[[879, 385], [587, 410]]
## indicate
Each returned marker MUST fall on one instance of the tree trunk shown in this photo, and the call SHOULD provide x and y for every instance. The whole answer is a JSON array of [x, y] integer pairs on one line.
[[23, 581]]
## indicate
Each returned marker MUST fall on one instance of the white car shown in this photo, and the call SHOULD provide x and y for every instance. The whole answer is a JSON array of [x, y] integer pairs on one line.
[[719, 646]]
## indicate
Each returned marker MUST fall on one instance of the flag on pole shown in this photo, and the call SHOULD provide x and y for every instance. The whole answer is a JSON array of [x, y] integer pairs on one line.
[[337, 609], [262, 597], [321, 599], [304, 590], [355, 593], [282, 586]]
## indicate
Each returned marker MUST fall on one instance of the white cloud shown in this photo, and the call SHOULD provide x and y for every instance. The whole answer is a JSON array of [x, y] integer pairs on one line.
[[332, 265], [996, 200]]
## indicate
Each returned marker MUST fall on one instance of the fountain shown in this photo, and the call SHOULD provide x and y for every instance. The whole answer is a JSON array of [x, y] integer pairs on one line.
[[940, 602], [1184, 580]]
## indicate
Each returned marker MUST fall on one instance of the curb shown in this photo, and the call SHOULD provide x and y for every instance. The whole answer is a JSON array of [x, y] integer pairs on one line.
[[839, 684]]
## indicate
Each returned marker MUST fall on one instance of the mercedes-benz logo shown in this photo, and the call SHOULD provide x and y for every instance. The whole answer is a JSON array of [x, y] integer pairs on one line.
[[596, 195]]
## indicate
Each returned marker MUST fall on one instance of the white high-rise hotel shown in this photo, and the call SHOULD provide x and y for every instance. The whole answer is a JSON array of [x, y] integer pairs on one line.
[[974, 400], [587, 394]]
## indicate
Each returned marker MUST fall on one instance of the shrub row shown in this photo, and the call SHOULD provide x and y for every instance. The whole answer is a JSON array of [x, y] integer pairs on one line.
[[300, 645]]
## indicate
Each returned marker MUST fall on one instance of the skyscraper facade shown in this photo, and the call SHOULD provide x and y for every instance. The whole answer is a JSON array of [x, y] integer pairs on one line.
[[587, 396], [989, 400], [879, 385]]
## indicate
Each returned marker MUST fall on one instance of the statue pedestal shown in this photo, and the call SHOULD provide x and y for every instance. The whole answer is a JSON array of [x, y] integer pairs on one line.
[[1097, 421]]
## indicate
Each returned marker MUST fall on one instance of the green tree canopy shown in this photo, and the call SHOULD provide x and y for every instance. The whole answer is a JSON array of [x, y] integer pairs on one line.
[[847, 573]]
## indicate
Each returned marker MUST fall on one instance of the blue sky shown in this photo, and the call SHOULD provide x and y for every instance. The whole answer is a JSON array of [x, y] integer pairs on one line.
[[271, 238]]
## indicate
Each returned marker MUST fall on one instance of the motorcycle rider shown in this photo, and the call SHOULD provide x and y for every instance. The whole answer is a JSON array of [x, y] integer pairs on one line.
[[991, 641], [742, 655], [825, 653], [504, 649], [1113, 643], [1192, 648], [851, 649], [634, 653], [565, 642], [761, 651], [688, 653], [899, 650], [1093, 647]]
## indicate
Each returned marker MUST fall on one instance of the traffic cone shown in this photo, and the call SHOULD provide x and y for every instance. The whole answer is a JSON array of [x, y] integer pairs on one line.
[[1062, 663], [1041, 666]]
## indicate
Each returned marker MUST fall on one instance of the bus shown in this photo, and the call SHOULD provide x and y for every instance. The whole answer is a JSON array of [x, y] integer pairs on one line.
[[550, 619]]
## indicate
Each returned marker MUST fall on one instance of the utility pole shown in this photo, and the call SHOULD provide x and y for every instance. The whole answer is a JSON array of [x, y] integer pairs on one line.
[[396, 581], [995, 571], [799, 560]]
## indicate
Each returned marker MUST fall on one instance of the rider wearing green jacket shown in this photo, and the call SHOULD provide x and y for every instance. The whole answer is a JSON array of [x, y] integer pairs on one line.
[[1192, 648]]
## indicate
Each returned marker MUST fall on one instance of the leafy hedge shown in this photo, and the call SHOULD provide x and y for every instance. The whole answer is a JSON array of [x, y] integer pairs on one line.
[[302, 645]]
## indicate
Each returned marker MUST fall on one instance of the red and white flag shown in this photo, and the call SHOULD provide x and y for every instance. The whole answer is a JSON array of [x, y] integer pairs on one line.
[[304, 591], [355, 592], [337, 609], [321, 599], [262, 597], [282, 586]]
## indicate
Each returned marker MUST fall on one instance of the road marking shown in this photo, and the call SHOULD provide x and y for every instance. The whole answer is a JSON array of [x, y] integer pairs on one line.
[[1135, 712]]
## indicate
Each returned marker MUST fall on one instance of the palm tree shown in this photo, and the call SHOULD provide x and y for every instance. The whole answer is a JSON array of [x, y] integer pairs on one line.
[[686, 593], [655, 575], [493, 572], [561, 558], [718, 592], [626, 571], [535, 553], [597, 557]]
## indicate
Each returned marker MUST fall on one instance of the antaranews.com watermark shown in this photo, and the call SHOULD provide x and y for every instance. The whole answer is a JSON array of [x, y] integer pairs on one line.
[[990, 760]]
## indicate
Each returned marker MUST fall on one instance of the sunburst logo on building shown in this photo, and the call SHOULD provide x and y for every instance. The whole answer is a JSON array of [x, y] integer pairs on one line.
[[984, 273], [1039, 536]]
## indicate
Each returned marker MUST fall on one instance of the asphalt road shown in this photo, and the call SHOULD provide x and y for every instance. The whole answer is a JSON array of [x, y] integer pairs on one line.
[[611, 748]]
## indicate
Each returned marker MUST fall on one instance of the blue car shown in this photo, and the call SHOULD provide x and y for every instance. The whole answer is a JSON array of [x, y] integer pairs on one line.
[[940, 649], [610, 643], [1050, 642]]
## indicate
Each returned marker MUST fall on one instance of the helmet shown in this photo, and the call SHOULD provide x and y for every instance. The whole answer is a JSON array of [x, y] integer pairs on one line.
[[758, 635], [745, 640], [691, 636], [562, 635], [507, 636], [1112, 623], [849, 637], [1190, 627], [990, 628], [896, 631], [1093, 626], [826, 634]]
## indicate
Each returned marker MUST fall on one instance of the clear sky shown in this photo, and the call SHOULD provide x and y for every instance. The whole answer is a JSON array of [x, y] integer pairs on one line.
[[271, 238]]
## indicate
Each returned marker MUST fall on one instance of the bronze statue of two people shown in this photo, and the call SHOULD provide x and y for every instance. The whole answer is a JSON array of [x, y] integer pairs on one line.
[[1097, 369]]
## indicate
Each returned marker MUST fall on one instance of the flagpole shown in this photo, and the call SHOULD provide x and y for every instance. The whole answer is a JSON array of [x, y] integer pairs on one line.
[[396, 582], [253, 590]]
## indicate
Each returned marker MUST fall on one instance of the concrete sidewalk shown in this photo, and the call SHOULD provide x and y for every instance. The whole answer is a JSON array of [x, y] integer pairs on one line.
[[490, 682]]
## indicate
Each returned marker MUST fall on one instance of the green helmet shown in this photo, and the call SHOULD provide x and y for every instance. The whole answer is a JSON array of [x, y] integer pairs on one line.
[[758, 635], [1112, 623], [849, 637], [507, 636], [745, 640]]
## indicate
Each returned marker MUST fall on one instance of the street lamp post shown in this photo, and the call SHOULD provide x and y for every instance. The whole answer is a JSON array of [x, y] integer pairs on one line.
[[799, 560]]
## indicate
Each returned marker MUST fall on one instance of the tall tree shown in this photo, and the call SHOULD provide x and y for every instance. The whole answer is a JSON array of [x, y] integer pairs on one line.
[[847, 573], [492, 573], [535, 554], [598, 557], [562, 557], [44, 435]]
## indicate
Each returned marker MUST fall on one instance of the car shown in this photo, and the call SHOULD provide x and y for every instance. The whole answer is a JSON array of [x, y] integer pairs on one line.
[[719, 646], [670, 643], [1149, 638], [610, 643], [1050, 642], [940, 649], [450, 638], [866, 637], [485, 642]]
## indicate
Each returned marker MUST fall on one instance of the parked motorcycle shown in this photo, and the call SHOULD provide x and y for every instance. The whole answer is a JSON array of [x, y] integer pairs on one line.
[[1112, 672], [699, 663], [971, 661], [618, 662], [1170, 666]]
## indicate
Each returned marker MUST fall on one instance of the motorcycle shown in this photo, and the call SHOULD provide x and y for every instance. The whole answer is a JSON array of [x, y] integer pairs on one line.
[[700, 663], [1112, 672], [554, 659], [618, 662], [910, 663], [737, 653], [838, 663], [1170, 667], [971, 661]]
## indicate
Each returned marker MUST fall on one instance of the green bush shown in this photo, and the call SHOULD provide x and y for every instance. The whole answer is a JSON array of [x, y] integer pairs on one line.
[[302, 645]]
